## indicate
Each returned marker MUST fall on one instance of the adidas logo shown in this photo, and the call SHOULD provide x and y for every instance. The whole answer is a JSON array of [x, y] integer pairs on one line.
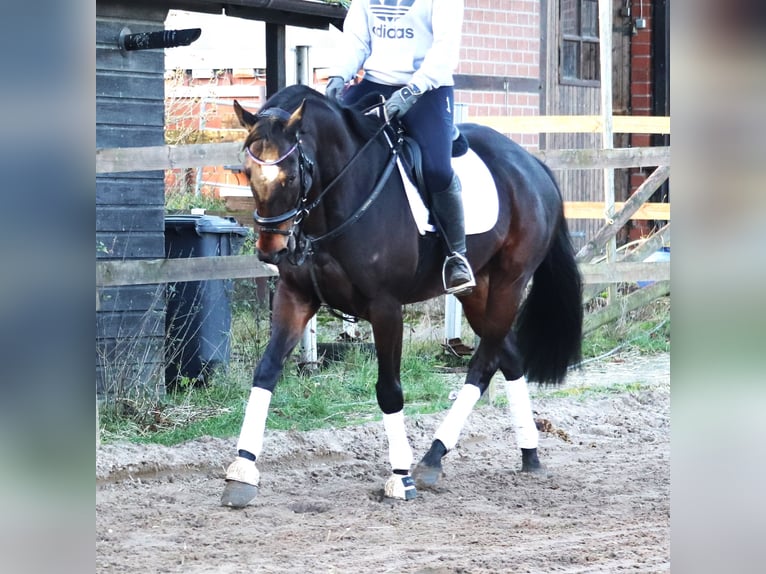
[[390, 10]]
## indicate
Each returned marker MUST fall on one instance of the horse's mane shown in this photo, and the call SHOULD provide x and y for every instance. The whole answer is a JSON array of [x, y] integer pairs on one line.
[[291, 97]]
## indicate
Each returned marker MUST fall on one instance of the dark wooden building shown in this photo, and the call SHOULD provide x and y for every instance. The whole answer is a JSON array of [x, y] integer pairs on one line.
[[130, 322]]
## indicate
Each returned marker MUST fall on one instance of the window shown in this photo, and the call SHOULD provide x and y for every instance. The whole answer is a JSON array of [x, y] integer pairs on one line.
[[579, 54]]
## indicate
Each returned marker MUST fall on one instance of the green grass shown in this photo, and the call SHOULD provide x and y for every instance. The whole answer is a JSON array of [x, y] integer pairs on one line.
[[646, 331], [179, 201], [341, 393], [584, 393]]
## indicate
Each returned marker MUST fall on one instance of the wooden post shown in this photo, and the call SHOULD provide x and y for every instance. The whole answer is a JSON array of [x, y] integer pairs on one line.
[[605, 8], [309, 343]]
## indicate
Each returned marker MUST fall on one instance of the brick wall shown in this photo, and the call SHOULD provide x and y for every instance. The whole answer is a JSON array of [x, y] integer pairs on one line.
[[641, 84], [501, 38]]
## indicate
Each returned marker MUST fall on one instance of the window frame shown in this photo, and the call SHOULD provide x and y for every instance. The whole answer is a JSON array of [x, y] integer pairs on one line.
[[580, 39]]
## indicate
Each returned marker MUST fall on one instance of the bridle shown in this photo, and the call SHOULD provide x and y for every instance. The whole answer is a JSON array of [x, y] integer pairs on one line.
[[300, 243], [305, 169]]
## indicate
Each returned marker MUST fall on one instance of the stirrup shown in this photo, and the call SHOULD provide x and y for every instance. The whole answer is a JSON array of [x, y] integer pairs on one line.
[[466, 286]]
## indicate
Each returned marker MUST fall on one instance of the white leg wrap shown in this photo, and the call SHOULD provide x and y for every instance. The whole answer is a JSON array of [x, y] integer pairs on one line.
[[521, 413], [399, 450], [449, 431], [254, 425]]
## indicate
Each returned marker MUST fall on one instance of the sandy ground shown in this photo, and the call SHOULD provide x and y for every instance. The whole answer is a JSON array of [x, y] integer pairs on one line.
[[604, 505]]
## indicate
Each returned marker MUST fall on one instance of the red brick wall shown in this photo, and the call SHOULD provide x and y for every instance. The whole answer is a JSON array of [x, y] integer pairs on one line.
[[501, 38], [641, 83]]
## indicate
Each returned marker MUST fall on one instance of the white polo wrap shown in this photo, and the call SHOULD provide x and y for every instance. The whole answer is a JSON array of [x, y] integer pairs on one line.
[[521, 413], [449, 431], [254, 425], [399, 450]]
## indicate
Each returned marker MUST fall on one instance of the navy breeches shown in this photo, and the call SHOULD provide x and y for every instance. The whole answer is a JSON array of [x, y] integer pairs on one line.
[[429, 122]]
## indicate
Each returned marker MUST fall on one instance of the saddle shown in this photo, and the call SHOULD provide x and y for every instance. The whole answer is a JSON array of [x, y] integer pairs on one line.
[[412, 158], [409, 149]]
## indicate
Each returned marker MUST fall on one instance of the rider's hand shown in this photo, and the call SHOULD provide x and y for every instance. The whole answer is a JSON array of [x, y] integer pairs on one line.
[[401, 101], [334, 88]]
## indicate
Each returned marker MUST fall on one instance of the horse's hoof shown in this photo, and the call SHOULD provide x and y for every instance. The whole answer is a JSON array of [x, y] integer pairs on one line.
[[537, 470], [242, 479], [426, 475], [238, 494], [400, 487]]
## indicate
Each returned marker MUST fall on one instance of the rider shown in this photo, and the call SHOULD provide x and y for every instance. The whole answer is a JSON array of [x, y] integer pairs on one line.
[[408, 51]]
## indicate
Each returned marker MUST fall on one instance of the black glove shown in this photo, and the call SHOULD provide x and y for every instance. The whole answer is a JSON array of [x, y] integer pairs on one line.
[[401, 101], [334, 88]]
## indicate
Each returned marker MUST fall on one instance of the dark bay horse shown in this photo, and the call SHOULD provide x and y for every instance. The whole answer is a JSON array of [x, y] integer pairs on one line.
[[332, 215]]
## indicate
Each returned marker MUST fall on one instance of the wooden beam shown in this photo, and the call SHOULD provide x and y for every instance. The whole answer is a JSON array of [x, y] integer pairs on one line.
[[114, 160], [602, 158], [649, 246], [149, 271], [645, 190], [625, 272], [573, 124], [595, 210], [637, 299]]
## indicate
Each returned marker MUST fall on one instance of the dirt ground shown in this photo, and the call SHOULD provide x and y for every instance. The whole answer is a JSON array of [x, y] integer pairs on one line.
[[603, 507]]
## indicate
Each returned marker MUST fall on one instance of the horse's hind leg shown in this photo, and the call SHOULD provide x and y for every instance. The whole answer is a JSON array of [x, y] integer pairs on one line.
[[386, 323], [519, 406]]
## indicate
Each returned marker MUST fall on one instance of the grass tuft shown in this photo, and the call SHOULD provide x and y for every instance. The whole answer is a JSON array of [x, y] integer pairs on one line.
[[341, 392]]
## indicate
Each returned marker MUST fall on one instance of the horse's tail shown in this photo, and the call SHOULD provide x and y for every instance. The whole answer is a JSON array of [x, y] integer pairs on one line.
[[549, 324]]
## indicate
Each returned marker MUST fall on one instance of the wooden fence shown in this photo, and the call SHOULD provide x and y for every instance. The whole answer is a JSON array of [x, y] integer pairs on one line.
[[627, 268]]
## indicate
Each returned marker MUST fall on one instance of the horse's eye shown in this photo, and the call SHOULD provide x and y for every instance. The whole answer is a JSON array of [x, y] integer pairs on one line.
[[290, 178]]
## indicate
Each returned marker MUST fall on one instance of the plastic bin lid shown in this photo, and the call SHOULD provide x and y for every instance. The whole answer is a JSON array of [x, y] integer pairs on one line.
[[206, 223]]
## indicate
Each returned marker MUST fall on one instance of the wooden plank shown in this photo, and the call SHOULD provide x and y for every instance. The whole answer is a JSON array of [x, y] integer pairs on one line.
[[110, 273], [573, 124], [133, 159], [612, 226], [634, 300], [114, 160], [625, 271], [595, 210], [600, 158]]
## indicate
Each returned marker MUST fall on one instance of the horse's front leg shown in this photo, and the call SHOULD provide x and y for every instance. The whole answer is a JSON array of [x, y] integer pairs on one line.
[[387, 328], [290, 314]]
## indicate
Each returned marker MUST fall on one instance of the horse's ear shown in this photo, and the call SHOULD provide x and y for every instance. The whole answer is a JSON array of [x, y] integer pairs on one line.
[[246, 119], [297, 116]]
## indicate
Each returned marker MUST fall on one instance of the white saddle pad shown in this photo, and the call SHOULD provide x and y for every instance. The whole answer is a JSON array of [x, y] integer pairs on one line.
[[480, 203]]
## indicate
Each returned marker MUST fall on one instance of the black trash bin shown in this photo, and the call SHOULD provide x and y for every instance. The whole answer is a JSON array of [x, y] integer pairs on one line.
[[198, 317]]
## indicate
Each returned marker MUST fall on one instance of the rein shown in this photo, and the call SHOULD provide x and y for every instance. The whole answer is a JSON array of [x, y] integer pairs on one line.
[[300, 244], [302, 209]]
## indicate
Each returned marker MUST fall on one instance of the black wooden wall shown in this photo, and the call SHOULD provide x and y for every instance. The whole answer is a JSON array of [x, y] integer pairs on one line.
[[130, 321]]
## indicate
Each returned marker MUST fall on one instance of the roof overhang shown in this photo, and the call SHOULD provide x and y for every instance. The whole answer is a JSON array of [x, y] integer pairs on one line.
[[301, 13]]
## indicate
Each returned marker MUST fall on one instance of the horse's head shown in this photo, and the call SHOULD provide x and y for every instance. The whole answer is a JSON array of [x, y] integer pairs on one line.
[[279, 174]]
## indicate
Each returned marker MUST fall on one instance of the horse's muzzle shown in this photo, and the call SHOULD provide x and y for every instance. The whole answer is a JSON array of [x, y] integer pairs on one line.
[[274, 257]]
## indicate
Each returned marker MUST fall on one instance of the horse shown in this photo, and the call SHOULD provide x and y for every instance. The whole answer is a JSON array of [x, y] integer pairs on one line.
[[332, 215]]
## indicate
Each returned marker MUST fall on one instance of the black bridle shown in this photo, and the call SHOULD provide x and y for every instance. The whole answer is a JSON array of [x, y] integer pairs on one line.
[[305, 169], [301, 243]]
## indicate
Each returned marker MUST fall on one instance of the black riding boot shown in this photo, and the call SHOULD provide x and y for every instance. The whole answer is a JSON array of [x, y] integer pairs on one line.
[[447, 208]]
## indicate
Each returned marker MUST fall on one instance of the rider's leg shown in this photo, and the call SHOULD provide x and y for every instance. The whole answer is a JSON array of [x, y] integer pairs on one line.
[[431, 123]]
